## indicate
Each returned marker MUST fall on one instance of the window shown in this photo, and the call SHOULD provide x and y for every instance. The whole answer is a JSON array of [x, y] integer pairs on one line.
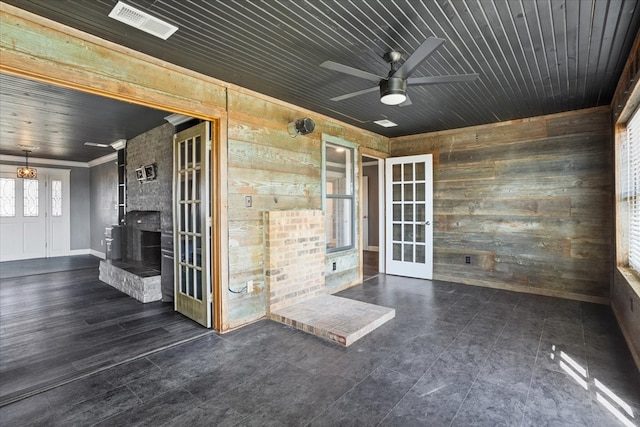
[[629, 196], [30, 197], [56, 197], [7, 197], [339, 196]]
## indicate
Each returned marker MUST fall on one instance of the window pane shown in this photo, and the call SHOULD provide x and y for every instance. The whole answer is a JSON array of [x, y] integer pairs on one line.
[[338, 170], [408, 212], [420, 233], [397, 252], [397, 192], [630, 187], [338, 220], [420, 254], [408, 233], [397, 232], [408, 192], [420, 213], [420, 194], [408, 253], [420, 171], [397, 173], [397, 212], [408, 172], [56, 197], [30, 197], [7, 197]]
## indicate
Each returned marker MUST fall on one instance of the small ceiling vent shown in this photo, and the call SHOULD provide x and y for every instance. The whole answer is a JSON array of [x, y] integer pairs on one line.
[[142, 20]]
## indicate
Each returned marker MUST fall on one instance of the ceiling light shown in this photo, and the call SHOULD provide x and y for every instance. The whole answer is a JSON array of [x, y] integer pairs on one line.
[[26, 171], [385, 123], [393, 91], [177, 119], [142, 20], [118, 144], [96, 144]]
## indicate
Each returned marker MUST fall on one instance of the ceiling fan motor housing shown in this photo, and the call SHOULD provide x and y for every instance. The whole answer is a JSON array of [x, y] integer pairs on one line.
[[393, 91]]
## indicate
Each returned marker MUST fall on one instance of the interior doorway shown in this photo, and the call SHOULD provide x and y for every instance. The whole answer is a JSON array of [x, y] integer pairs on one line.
[[372, 215]]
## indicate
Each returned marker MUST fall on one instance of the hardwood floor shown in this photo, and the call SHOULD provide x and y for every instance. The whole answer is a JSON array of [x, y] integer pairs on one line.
[[58, 322], [370, 268]]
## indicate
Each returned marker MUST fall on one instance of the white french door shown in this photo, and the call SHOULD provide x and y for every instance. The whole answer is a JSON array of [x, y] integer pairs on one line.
[[34, 214], [409, 216]]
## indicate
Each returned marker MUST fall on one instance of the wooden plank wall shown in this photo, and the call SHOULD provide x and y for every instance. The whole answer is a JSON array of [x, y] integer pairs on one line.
[[279, 173], [529, 200]]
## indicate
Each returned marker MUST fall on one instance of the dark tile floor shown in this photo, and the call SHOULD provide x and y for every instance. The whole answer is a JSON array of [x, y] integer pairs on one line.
[[454, 355]]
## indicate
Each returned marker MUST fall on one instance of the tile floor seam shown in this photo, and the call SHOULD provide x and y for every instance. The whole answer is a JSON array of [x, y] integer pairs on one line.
[[475, 379], [535, 363]]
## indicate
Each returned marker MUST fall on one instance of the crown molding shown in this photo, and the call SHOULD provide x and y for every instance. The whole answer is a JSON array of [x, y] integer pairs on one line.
[[37, 161]]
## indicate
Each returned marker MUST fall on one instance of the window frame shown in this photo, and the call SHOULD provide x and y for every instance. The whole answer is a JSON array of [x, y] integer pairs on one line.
[[328, 140]]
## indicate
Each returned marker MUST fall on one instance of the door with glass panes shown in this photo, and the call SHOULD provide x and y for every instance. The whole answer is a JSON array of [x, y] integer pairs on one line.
[[409, 213], [192, 226]]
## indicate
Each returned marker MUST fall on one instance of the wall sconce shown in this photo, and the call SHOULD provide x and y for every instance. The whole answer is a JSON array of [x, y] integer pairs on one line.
[[301, 127], [26, 171]]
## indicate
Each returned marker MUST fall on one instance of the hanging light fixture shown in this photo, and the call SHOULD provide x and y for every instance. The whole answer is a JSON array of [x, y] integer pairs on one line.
[[26, 171]]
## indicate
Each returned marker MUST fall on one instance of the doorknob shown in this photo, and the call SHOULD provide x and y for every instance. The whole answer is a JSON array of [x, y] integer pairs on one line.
[[427, 223]]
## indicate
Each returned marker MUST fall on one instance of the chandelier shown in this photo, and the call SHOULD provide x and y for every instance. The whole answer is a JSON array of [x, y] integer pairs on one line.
[[26, 171]]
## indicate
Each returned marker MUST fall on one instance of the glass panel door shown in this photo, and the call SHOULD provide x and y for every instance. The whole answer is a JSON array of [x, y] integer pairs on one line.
[[409, 186], [192, 229]]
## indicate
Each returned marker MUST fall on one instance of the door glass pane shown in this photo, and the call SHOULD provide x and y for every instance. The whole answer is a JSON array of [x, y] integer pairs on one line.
[[198, 143], [408, 172], [420, 254], [408, 192], [408, 232], [397, 192], [420, 194], [397, 232], [7, 197], [397, 212], [196, 185], [397, 173], [420, 233], [189, 154], [183, 279], [397, 252], [30, 197], [408, 253], [420, 212], [408, 212], [420, 171], [56, 197]]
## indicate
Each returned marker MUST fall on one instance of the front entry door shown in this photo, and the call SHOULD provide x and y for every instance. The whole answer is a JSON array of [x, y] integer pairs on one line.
[[192, 225], [409, 213]]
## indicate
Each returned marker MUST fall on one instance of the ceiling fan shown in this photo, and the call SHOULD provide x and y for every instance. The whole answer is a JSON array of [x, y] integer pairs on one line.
[[393, 88]]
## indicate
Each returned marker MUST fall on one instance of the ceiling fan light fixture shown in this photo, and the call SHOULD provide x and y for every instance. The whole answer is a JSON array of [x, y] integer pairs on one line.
[[393, 91]]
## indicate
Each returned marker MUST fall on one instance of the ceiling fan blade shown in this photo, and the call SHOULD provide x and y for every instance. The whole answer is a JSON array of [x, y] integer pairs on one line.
[[351, 71], [406, 102], [414, 81], [426, 48], [352, 94]]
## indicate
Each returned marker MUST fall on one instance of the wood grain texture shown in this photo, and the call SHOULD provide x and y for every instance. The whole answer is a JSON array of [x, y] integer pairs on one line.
[[279, 173], [529, 200], [64, 323]]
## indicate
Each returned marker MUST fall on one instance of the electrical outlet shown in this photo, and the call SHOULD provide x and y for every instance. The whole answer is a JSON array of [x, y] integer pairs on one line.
[[334, 266], [247, 201], [467, 259], [249, 286]]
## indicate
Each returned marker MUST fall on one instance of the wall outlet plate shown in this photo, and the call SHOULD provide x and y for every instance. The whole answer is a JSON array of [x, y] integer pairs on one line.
[[467, 259], [247, 201]]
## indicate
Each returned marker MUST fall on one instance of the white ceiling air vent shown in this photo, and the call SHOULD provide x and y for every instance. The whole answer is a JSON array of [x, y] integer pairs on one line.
[[142, 20], [385, 123]]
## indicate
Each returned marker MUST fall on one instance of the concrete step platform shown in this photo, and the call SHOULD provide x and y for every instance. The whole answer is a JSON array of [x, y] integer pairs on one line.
[[341, 320]]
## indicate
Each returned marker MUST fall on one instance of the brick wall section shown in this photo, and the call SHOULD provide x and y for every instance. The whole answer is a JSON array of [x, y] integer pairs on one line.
[[294, 256]]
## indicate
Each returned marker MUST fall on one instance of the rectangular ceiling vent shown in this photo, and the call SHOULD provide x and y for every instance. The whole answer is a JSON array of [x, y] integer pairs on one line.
[[142, 20]]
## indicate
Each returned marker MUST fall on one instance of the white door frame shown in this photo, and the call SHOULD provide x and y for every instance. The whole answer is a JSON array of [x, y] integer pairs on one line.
[[381, 209]]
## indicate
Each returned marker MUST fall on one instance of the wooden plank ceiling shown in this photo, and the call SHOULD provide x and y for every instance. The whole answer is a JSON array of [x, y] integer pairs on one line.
[[533, 57]]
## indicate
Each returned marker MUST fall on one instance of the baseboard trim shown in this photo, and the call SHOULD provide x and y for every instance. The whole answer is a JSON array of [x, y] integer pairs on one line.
[[627, 338], [80, 252], [100, 255]]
